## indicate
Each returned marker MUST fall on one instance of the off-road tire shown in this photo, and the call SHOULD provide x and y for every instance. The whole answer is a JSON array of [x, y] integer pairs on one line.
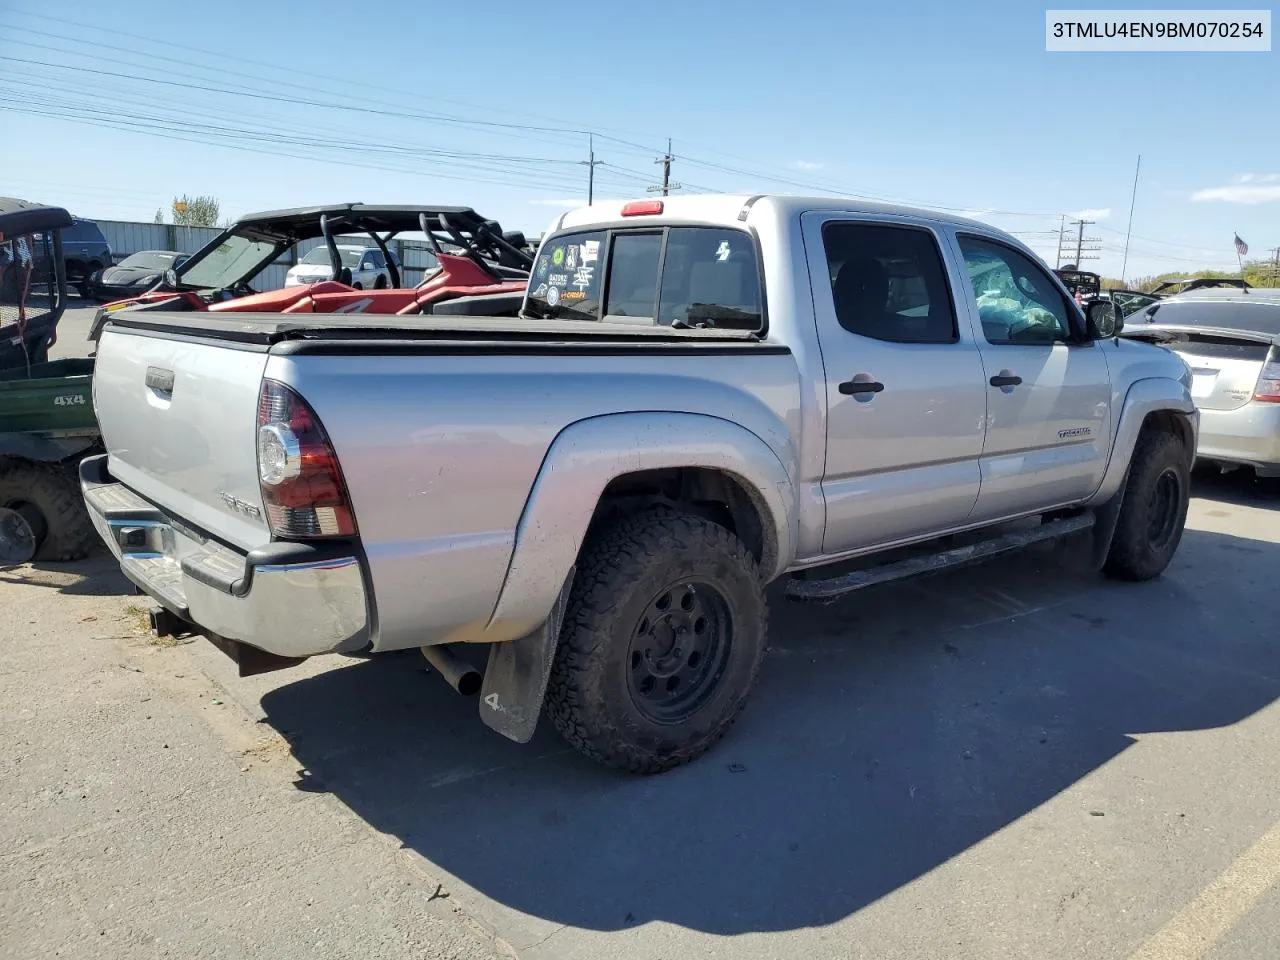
[[82, 287], [55, 492], [1159, 457], [620, 570]]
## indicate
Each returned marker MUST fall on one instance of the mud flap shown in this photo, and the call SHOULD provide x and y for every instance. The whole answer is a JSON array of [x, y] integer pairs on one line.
[[515, 681], [1104, 527]]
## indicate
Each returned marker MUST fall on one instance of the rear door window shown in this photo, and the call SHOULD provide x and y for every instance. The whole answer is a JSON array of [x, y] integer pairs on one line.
[[888, 282], [83, 231]]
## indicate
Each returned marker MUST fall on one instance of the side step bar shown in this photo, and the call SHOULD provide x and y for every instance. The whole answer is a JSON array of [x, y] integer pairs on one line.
[[833, 588]]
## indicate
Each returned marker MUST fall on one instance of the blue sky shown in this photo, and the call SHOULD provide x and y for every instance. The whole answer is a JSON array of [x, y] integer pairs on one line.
[[941, 104]]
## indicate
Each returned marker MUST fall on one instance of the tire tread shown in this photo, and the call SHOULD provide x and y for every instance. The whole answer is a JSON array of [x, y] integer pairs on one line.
[[1129, 557], [607, 562], [54, 489]]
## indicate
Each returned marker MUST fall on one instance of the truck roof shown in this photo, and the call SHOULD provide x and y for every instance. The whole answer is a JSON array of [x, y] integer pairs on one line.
[[728, 208]]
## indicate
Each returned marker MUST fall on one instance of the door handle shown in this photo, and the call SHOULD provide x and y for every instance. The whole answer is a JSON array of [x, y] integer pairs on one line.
[[850, 387], [1005, 380]]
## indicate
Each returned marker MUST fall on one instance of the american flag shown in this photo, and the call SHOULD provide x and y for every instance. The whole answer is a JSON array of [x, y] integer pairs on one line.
[[1241, 247]]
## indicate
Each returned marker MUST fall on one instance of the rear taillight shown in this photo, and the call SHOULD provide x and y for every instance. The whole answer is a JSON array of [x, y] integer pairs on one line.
[[1268, 388], [301, 481]]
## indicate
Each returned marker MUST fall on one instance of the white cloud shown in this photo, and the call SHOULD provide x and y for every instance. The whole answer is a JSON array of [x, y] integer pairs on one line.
[[1248, 188], [807, 165], [1091, 213]]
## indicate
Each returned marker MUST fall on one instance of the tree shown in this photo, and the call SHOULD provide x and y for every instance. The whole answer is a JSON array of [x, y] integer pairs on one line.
[[195, 211], [1258, 273], [159, 215]]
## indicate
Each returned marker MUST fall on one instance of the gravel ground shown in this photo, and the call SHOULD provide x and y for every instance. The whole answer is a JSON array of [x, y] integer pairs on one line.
[[147, 815]]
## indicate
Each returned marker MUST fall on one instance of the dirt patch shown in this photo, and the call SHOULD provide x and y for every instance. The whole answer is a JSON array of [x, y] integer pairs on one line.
[[269, 749]]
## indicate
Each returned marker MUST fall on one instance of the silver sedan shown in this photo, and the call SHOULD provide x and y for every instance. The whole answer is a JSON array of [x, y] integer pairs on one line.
[[1231, 341]]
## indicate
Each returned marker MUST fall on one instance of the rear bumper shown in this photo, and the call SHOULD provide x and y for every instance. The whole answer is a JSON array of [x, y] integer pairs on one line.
[[289, 599], [1247, 435]]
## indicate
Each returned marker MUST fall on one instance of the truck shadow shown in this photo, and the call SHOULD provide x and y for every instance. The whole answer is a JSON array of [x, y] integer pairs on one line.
[[1238, 487], [98, 575], [889, 733]]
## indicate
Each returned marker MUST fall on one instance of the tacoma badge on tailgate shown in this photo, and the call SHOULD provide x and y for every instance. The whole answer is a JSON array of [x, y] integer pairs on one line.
[[239, 506]]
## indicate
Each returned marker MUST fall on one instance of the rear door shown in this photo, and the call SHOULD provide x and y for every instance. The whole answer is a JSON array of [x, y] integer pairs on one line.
[[903, 382], [1048, 395], [179, 419]]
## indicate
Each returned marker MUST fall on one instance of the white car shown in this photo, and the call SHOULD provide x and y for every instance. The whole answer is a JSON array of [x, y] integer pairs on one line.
[[367, 265]]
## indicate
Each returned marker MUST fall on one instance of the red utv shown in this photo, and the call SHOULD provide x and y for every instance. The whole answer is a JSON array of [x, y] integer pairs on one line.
[[471, 257]]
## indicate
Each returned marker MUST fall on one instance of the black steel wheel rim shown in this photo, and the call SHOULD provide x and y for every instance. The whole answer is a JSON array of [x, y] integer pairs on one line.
[[678, 651], [1166, 500], [19, 538]]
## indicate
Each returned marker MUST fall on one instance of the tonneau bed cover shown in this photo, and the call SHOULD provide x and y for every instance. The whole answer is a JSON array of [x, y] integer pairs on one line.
[[267, 329]]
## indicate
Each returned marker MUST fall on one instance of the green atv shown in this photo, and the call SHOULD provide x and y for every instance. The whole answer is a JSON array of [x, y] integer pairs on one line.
[[47, 423]]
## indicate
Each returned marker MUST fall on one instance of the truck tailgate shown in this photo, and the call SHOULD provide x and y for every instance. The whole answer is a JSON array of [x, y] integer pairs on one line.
[[179, 418]]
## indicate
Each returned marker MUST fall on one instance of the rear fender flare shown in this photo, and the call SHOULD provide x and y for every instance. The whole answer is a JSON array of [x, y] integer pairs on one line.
[[1144, 397], [587, 455]]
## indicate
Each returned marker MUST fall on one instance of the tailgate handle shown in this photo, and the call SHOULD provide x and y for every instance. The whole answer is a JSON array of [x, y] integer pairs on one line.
[[160, 380]]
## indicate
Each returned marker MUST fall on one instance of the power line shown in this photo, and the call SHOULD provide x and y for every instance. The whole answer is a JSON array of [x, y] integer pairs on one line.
[[196, 137], [443, 118], [501, 165], [222, 58]]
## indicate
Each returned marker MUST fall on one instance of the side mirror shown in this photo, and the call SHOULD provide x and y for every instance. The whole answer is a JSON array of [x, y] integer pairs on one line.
[[171, 278], [1102, 319]]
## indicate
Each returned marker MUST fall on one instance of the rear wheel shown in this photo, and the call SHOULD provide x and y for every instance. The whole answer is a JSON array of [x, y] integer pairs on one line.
[[357, 285], [47, 496], [380, 283], [663, 637], [83, 286], [1154, 510]]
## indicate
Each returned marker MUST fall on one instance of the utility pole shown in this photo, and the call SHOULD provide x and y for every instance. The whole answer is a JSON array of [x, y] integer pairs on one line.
[[667, 185], [1062, 227], [1086, 248], [1275, 265], [591, 163], [1080, 240]]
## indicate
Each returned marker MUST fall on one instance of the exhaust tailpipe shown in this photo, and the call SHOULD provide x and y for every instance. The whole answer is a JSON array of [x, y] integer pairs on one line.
[[459, 674]]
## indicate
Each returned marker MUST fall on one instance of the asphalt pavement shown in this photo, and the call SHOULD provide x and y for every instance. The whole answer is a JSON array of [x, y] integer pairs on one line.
[[1015, 760], [73, 329]]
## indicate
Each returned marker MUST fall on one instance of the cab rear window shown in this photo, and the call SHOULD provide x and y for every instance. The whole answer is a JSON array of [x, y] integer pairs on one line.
[[567, 278], [675, 276]]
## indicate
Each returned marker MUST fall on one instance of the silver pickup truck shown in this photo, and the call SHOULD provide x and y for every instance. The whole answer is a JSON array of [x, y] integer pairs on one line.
[[701, 395]]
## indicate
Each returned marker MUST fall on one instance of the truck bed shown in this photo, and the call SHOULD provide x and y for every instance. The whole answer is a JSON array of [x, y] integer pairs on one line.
[[441, 426]]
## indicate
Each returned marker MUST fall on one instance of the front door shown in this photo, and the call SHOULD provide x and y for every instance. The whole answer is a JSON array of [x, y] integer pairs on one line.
[[1048, 390], [905, 393]]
